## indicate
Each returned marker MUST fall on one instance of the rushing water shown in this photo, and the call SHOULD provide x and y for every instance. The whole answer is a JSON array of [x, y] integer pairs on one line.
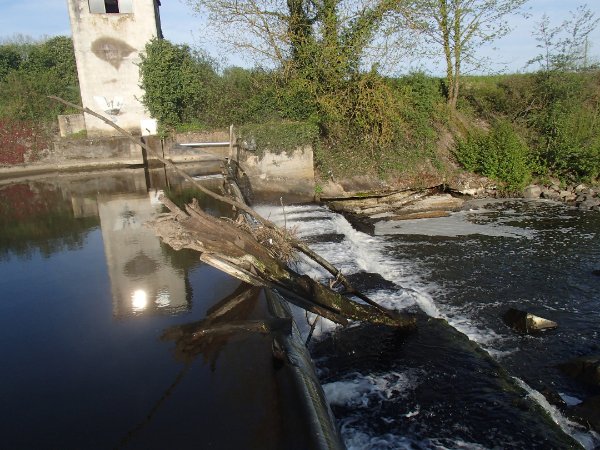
[[473, 383]]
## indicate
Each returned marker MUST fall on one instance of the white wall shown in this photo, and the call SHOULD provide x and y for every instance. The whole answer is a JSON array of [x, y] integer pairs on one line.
[[107, 48]]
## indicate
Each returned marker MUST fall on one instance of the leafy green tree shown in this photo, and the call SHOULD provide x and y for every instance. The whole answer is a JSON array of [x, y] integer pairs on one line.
[[564, 47], [10, 60], [45, 68], [175, 81], [458, 28]]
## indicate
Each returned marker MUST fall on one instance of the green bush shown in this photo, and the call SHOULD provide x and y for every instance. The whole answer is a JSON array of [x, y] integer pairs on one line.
[[278, 136], [500, 155], [175, 81], [32, 72], [556, 112]]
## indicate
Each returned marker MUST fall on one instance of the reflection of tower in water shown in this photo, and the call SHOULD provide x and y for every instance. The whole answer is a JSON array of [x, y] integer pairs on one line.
[[142, 278]]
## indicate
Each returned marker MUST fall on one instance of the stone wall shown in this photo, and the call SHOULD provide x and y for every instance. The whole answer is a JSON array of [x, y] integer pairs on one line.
[[70, 124], [113, 150]]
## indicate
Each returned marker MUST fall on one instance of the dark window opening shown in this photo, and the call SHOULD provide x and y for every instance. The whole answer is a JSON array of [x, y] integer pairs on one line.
[[112, 6]]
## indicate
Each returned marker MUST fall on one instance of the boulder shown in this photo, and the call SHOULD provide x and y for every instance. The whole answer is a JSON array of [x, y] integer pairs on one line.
[[567, 195], [589, 203], [589, 411], [550, 194], [525, 322], [439, 202], [585, 369], [532, 191]]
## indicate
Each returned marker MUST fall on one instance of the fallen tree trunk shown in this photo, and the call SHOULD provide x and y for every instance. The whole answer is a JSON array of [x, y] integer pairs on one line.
[[235, 251], [297, 244]]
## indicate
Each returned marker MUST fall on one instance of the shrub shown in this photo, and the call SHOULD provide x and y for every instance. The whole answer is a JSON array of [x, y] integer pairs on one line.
[[46, 68], [501, 155], [175, 81], [278, 136]]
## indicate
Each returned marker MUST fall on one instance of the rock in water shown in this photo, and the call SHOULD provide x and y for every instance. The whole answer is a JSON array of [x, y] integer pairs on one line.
[[524, 322], [589, 410], [585, 369], [532, 191], [596, 272]]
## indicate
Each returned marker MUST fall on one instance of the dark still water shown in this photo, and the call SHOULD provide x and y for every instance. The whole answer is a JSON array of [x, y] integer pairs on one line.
[[463, 379], [93, 355]]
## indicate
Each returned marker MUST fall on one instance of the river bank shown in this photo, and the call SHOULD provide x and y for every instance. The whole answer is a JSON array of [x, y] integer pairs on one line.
[[373, 199]]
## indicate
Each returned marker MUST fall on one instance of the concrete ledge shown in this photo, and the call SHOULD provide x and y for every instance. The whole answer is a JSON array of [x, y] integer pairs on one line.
[[11, 173]]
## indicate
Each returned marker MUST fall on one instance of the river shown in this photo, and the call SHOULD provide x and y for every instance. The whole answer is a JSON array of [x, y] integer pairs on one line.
[[475, 383], [87, 292], [99, 322]]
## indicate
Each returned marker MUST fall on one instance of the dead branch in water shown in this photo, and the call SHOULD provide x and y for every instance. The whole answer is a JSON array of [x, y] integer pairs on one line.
[[235, 251], [268, 271]]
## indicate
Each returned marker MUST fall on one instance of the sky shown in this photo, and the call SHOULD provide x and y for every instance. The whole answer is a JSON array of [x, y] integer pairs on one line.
[[40, 18]]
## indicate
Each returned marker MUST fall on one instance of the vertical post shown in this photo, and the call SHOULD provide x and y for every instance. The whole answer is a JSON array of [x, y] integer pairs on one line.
[[231, 141]]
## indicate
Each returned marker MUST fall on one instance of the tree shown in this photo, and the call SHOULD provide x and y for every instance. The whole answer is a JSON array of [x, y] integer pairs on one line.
[[42, 68], [9, 60], [459, 28], [565, 46], [174, 79], [297, 34]]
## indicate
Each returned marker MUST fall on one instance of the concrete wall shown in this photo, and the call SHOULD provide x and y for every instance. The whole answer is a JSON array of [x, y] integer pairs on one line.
[[114, 150], [70, 124], [107, 48], [280, 173]]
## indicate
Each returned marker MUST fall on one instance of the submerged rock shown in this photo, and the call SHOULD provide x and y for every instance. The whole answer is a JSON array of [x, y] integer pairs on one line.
[[585, 369], [589, 411], [525, 322]]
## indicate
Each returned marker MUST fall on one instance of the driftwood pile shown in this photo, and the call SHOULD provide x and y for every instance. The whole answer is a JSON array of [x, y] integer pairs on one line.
[[234, 249]]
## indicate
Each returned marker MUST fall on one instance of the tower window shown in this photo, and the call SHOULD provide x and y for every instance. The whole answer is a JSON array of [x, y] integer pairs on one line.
[[111, 6]]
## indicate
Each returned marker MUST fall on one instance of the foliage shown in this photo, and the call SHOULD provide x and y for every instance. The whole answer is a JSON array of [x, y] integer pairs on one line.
[[175, 81], [564, 47], [297, 33], [458, 28], [29, 72], [278, 136], [10, 60], [500, 154]]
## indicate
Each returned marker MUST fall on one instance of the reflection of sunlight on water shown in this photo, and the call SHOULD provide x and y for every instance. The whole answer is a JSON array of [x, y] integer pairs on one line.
[[139, 300], [163, 299]]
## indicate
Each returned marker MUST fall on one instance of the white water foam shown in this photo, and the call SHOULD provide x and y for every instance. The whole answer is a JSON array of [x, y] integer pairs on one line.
[[361, 252], [363, 391], [356, 439], [588, 439]]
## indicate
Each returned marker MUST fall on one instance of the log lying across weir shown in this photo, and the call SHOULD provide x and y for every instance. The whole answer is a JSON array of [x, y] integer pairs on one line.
[[235, 250]]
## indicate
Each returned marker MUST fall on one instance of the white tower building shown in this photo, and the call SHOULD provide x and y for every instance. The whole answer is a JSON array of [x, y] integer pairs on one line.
[[108, 36]]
